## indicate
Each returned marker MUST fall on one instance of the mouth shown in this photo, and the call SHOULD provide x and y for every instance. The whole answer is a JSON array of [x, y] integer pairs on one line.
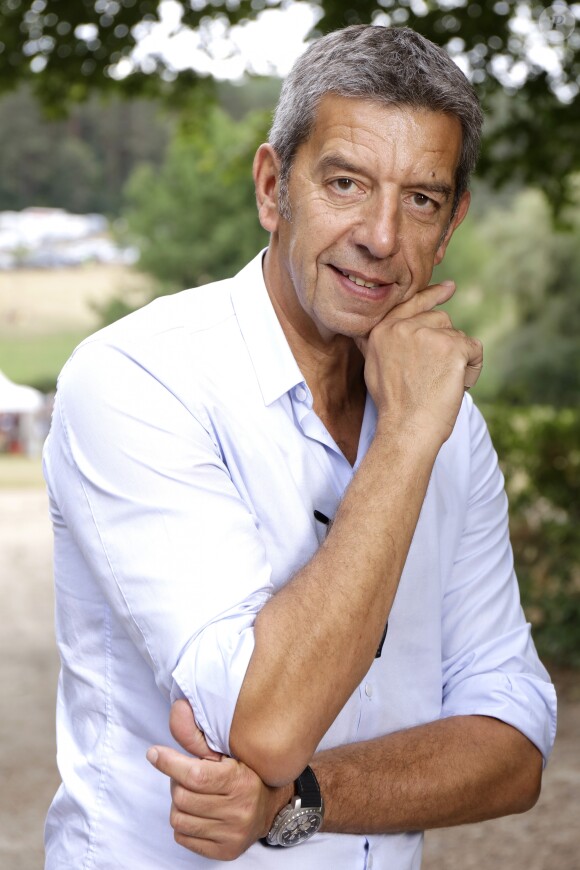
[[363, 281], [356, 279]]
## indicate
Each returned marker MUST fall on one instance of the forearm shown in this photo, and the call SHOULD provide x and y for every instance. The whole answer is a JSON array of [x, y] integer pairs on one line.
[[450, 772], [317, 637]]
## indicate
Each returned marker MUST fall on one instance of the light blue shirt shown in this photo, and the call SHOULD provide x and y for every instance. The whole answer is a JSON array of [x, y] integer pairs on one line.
[[184, 466]]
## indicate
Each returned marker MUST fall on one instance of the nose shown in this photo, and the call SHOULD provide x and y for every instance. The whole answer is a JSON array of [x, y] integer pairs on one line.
[[378, 228]]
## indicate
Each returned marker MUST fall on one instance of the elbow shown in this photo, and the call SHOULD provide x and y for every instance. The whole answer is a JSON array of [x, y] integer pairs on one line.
[[277, 756], [529, 785], [529, 796]]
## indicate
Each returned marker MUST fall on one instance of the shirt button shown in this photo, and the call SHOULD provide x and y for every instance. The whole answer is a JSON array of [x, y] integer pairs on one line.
[[300, 393], [369, 690]]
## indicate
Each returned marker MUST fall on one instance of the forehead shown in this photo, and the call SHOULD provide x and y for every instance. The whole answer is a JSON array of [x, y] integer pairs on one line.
[[401, 138]]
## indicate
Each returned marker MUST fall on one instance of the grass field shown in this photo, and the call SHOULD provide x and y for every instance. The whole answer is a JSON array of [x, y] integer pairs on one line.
[[45, 313], [36, 360]]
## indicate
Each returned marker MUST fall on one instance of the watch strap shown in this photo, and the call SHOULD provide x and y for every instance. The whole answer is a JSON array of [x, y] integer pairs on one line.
[[307, 789]]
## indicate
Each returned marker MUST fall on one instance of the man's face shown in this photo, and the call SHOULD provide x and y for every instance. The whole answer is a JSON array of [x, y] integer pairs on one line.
[[370, 195]]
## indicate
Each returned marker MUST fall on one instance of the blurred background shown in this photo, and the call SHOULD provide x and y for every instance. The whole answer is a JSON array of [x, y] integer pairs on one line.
[[127, 132]]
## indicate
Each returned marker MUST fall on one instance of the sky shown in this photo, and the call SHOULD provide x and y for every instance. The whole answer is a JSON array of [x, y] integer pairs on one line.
[[271, 44], [267, 46]]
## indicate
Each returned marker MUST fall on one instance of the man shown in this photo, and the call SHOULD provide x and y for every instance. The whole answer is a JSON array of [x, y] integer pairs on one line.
[[275, 506]]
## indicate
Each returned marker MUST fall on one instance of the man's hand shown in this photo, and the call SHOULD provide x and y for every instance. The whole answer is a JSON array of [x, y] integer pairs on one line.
[[453, 771], [219, 806], [184, 729], [417, 365]]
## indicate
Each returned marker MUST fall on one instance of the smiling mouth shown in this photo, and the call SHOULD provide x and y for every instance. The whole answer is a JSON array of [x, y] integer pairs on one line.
[[371, 285]]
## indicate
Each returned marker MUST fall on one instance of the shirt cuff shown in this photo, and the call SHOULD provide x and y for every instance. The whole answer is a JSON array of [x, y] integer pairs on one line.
[[525, 701], [211, 671]]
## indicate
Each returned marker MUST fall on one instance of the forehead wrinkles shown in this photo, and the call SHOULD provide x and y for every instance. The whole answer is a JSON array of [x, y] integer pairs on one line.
[[360, 157], [414, 142]]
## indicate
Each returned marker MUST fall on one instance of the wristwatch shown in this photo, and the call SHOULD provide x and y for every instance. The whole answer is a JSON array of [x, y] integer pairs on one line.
[[302, 817]]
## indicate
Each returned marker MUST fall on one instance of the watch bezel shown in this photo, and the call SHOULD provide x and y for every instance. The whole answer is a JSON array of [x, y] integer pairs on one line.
[[292, 812]]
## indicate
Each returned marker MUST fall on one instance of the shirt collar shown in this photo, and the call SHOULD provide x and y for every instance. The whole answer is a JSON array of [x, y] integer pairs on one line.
[[276, 369]]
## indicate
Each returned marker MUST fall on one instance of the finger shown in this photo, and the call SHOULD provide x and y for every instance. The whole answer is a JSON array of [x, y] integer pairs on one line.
[[434, 319], [438, 319], [475, 364], [201, 845], [199, 775], [184, 729], [195, 804], [472, 353], [212, 839], [217, 850], [424, 300], [225, 839], [190, 812]]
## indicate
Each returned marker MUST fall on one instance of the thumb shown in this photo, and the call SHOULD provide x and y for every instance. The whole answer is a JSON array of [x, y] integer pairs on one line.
[[184, 729]]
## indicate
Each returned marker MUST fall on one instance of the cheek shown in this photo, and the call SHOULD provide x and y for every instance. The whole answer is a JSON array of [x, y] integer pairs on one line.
[[426, 253]]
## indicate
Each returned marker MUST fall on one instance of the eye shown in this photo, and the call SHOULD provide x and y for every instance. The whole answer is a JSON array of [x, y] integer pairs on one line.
[[423, 201], [344, 185]]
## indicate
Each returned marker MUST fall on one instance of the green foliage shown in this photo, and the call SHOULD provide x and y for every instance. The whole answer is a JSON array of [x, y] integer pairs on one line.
[[518, 290], [539, 449], [112, 310], [49, 45], [194, 219], [540, 268], [80, 163]]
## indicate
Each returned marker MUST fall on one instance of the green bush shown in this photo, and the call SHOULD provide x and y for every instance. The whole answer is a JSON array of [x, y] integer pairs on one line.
[[194, 219], [539, 450]]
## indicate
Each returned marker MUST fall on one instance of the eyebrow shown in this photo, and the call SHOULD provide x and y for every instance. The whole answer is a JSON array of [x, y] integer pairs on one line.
[[436, 187], [337, 161]]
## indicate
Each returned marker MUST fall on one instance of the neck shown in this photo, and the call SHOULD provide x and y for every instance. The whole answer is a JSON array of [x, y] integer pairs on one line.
[[333, 368]]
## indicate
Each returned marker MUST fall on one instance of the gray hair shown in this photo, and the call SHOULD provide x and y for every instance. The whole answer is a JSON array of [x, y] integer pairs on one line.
[[391, 65]]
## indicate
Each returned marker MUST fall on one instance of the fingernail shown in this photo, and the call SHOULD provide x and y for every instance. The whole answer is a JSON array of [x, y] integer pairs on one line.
[[448, 283], [152, 755]]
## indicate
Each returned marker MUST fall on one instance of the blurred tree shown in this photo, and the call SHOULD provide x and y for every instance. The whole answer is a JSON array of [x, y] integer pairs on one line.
[[71, 47], [194, 219], [538, 449], [518, 290], [538, 267], [79, 163]]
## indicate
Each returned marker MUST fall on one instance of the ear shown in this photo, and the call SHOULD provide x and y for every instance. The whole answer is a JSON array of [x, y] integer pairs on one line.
[[460, 212], [266, 175]]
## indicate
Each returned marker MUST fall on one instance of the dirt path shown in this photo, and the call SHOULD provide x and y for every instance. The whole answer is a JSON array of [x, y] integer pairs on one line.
[[28, 673], [547, 838]]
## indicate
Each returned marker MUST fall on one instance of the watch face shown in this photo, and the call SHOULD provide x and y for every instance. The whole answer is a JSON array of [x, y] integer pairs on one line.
[[301, 826]]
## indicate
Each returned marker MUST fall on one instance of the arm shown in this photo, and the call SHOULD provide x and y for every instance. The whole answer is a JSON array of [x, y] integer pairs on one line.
[[450, 772], [329, 619], [146, 492], [469, 766]]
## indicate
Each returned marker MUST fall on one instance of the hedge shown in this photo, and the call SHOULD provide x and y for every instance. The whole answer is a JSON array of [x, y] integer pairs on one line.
[[539, 451]]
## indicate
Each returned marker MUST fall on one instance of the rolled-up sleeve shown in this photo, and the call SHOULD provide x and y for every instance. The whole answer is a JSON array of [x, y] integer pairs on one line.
[[490, 665], [142, 487]]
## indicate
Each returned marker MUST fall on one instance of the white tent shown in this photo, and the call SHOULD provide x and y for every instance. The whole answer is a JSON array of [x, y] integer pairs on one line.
[[23, 416], [18, 399]]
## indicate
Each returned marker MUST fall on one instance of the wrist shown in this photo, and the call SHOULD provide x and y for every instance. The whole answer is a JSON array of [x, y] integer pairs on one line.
[[418, 437], [278, 797]]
